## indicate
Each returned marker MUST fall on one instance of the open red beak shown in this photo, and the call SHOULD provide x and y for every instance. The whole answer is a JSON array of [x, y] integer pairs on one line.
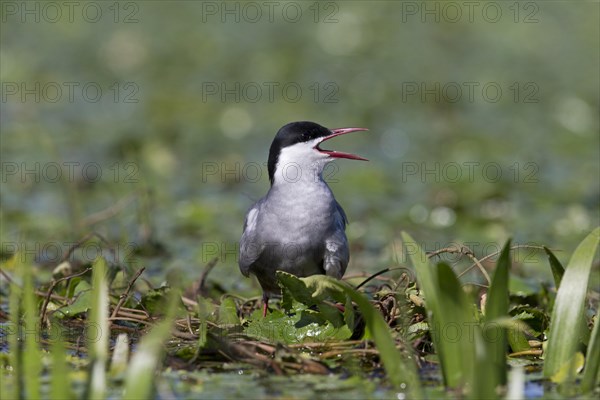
[[339, 154]]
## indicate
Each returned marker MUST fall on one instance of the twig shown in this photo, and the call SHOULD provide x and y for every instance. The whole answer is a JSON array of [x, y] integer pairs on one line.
[[335, 353], [189, 302], [139, 321], [124, 296], [184, 335], [137, 317], [365, 275], [319, 344], [383, 271], [518, 246], [39, 293], [466, 251], [475, 284], [532, 352], [49, 294]]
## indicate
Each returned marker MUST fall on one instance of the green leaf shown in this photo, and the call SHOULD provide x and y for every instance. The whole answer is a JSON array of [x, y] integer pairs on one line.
[[569, 307], [401, 371], [497, 307], [154, 300], [228, 312], [59, 387], [32, 353], [13, 338], [517, 340], [311, 290], [537, 320], [141, 373], [569, 370], [303, 325], [83, 302], [557, 269], [457, 331], [591, 373], [118, 362], [99, 331], [323, 289], [451, 356]]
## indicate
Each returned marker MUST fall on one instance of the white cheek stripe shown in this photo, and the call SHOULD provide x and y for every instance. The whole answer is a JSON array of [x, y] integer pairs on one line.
[[301, 162]]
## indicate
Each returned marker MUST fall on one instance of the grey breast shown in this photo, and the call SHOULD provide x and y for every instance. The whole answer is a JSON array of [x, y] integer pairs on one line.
[[300, 233]]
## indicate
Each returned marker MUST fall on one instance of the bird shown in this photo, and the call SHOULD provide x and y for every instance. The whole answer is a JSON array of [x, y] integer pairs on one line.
[[298, 227]]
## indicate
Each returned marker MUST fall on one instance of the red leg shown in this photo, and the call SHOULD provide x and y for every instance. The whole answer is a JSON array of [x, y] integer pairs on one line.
[[265, 305]]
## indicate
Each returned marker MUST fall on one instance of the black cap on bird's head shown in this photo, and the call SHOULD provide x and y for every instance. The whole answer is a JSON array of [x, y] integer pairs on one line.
[[312, 135]]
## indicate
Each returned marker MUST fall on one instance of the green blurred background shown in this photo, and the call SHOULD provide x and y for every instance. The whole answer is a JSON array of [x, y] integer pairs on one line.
[[483, 123]]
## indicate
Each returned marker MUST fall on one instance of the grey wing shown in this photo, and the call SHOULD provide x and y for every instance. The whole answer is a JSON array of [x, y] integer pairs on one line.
[[340, 210], [249, 243], [337, 253]]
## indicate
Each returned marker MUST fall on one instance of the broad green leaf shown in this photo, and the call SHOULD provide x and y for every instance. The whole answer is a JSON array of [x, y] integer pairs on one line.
[[516, 330], [401, 371], [450, 356], [569, 306], [99, 331], [296, 287], [83, 302], [557, 269], [591, 373], [32, 353], [154, 300], [323, 289], [15, 350], [141, 373], [517, 340], [497, 307], [205, 310], [119, 360], [570, 369], [311, 290], [59, 387], [303, 325], [228, 312], [537, 321], [497, 298], [458, 333]]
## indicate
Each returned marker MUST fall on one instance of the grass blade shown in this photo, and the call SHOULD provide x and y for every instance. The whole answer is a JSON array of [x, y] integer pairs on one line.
[[59, 385], [32, 353], [454, 328], [557, 269], [139, 383], [591, 373], [451, 356], [14, 354], [569, 306], [401, 372], [516, 383], [98, 322], [118, 364], [497, 307]]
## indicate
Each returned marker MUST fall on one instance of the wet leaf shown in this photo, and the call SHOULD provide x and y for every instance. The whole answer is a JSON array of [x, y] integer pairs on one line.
[[228, 312], [302, 326], [81, 304]]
